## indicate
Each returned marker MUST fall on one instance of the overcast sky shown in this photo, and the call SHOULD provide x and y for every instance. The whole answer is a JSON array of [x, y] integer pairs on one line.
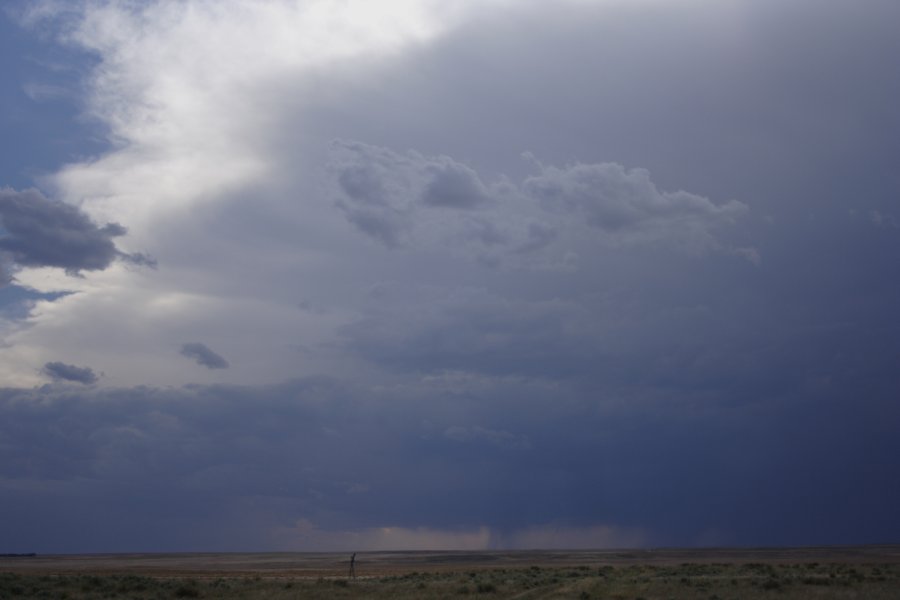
[[408, 274]]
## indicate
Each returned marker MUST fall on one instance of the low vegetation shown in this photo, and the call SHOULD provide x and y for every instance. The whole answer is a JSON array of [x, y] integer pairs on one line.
[[686, 581]]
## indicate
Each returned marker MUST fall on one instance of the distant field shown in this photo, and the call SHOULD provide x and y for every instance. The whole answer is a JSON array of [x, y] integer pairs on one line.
[[815, 573]]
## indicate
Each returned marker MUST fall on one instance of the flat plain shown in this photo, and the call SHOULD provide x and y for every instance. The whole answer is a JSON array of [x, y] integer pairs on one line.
[[716, 573]]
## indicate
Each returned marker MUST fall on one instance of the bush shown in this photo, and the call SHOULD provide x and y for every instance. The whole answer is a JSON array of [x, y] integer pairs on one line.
[[771, 584], [185, 591]]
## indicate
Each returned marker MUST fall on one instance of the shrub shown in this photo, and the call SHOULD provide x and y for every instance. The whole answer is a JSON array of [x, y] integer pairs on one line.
[[771, 584], [185, 591]]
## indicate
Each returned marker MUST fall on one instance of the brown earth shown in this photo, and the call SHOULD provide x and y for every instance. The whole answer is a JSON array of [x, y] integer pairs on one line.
[[368, 564]]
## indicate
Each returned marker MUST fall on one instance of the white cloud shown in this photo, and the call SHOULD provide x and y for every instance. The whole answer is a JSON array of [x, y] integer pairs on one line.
[[191, 93], [45, 92], [184, 88]]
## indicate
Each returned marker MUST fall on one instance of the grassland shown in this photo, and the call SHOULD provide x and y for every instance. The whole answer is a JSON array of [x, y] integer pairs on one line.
[[468, 577]]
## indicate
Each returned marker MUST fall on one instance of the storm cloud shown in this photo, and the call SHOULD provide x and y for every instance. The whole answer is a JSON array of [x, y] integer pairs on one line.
[[305, 463], [487, 274], [203, 355], [382, 189], [62, 372], [38, 232], [391, 196], [627, 207]]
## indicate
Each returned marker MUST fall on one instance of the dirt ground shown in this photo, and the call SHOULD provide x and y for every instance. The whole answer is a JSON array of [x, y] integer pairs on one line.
[[380, 564]]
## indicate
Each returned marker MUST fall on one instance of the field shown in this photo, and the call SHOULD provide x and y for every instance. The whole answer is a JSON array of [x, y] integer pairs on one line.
[[871, 572]]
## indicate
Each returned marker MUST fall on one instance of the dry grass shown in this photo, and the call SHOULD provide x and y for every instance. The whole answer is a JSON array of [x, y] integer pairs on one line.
[[706, 581]]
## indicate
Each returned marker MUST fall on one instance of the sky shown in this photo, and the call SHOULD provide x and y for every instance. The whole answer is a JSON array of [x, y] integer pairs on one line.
[[466, 274]]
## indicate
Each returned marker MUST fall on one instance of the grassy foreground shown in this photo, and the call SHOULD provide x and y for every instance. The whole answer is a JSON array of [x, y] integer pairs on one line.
[[686, 581]]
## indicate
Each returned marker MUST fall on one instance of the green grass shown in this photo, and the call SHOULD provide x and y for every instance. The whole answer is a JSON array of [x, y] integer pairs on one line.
[[684, 582]]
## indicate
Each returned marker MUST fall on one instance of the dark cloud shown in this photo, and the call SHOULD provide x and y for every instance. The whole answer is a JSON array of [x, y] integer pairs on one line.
[[453, 185], [63, 372], [384, 193], [693, 396], [741, 109], [16, 302], [431, 329], [385, 224], [38, 232], [626, 206], [539, 236], [203, 355], [139, 259], [478, 434], [381, 190], [375, 204], [229, 467]]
